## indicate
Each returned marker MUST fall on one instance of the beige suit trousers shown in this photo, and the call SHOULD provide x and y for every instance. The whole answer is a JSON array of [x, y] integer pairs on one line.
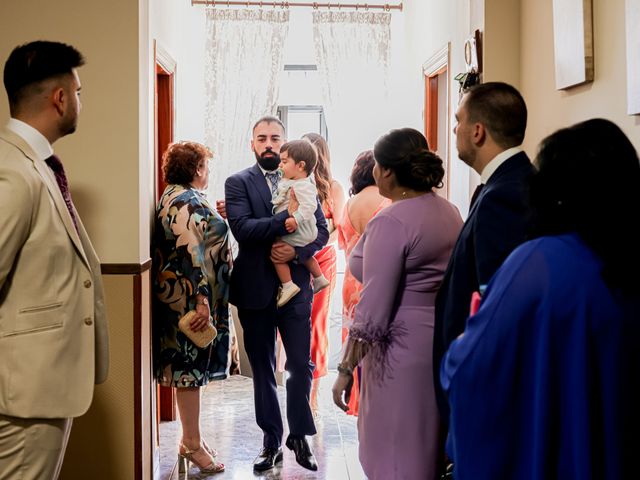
[[32, 448]]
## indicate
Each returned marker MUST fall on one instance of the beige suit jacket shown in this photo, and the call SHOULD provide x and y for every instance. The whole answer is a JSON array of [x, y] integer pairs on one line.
[[53, 328]]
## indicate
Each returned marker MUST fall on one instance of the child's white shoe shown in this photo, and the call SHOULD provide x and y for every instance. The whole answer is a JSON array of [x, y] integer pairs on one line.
[[287, 292], [320, 283]]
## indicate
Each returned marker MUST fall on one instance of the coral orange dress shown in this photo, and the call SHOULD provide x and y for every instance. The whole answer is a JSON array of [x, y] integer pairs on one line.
[[348, 236], [327, 259]]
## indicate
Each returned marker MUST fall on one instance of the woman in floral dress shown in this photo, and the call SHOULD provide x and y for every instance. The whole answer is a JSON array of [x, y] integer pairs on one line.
[[191, 267]]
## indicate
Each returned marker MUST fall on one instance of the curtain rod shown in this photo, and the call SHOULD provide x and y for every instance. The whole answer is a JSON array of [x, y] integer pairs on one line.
[[315, 5]]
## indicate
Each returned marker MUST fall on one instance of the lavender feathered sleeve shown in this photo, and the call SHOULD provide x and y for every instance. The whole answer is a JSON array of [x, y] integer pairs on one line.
[[382, 250]]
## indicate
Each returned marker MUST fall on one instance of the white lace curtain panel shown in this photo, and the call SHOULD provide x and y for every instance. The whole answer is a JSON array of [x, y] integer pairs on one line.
[[353, 53], [350, 48], [244, 57], [243, 60]]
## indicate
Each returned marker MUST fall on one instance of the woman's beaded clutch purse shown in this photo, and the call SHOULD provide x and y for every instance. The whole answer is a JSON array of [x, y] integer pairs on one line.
[[202, 338]]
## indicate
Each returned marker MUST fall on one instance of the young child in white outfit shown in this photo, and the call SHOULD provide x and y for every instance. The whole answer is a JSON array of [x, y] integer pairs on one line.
[[298, 159]]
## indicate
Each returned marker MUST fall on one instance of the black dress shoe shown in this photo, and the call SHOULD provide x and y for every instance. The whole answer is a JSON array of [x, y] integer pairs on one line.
[[303, 453], [267, 459]]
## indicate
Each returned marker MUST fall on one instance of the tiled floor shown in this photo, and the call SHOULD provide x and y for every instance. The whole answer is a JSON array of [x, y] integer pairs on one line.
[[228, 424]]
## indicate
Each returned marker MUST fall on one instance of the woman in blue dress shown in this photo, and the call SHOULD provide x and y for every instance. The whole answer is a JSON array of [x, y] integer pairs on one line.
[[543, 383], [191, 267]]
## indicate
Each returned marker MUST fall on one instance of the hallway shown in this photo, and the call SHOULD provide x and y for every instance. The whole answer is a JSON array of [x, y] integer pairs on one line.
[[228, 424]]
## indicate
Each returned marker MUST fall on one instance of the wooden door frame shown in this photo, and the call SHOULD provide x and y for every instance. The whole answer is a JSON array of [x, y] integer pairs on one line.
[[436, 65], [164, 68]]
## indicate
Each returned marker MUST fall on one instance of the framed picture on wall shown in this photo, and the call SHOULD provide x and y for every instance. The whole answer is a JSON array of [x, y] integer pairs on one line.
[[632, 16], [573, 42]]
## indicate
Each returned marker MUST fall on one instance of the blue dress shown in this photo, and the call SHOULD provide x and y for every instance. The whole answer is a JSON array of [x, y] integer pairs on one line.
[[543, 384]]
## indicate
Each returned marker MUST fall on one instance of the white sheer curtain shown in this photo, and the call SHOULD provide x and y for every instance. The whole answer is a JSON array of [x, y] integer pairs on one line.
[[244, 58], [353, 55]]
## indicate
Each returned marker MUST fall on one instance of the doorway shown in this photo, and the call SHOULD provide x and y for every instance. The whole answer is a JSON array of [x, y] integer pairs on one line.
[[436, 108], [163, 402]]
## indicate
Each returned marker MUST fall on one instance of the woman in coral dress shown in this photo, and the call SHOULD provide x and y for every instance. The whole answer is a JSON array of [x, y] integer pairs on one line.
[[332, 199], [364, 203]]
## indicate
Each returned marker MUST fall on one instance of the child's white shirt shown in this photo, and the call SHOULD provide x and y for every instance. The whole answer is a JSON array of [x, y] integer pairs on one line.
[[307, 196]]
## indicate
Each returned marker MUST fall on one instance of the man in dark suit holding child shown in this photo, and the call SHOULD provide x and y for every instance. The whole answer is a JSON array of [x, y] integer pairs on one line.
[[254, 288]]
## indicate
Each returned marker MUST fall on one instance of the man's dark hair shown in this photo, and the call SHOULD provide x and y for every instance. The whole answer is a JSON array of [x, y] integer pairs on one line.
[[268, 119], [32, 63], [501, 109], [301, 151]]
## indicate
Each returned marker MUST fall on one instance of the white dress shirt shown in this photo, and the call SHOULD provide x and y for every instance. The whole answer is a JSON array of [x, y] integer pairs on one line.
[[498, 160], [33, 137]]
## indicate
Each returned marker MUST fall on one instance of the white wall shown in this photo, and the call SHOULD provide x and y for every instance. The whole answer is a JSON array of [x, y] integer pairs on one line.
[[191, 81], [550, 109], [428, 26], [179, 29]]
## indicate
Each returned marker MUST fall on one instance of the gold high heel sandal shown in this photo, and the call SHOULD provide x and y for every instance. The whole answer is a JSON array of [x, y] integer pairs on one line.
[[185, 456]]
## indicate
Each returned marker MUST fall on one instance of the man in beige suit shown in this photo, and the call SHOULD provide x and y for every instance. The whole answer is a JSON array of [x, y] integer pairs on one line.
[[53, 330]]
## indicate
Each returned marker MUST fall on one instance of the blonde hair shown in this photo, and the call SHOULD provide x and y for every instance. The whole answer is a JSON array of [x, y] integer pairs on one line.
[[323, 167]]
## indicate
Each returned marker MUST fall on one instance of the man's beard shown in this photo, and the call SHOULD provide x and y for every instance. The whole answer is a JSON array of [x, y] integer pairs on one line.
[[68, 126], [268, 162]]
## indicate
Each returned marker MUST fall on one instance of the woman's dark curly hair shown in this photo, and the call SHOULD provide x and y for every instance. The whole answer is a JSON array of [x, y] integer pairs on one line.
[[180, 162], [406, 152], [362, 172], [565, 196]]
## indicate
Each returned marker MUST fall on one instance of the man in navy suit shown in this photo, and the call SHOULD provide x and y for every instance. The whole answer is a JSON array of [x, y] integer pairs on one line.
[[491, 123], [254, 288]]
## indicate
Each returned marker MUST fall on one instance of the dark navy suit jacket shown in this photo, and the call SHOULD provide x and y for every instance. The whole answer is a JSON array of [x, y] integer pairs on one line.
[[249, 211], [498, 222]]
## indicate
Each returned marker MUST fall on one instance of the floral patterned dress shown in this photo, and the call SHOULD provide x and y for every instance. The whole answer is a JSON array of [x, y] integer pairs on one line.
[[190, 255]]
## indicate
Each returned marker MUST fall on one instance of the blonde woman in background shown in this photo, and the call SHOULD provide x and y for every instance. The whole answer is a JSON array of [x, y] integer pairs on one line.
[[332, 199]]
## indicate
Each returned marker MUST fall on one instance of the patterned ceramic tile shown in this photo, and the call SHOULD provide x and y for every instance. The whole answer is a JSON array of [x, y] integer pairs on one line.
[[228, 424]]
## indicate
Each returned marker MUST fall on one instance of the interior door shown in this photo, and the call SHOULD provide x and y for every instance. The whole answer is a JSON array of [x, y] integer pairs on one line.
[[436, 109], [163, 398]]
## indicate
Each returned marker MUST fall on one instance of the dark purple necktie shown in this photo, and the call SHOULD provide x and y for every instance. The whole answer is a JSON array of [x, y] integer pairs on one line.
[[58, 170], [476, 194]]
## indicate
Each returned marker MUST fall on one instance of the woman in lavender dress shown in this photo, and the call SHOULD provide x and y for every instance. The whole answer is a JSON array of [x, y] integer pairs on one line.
[[400, 260]]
